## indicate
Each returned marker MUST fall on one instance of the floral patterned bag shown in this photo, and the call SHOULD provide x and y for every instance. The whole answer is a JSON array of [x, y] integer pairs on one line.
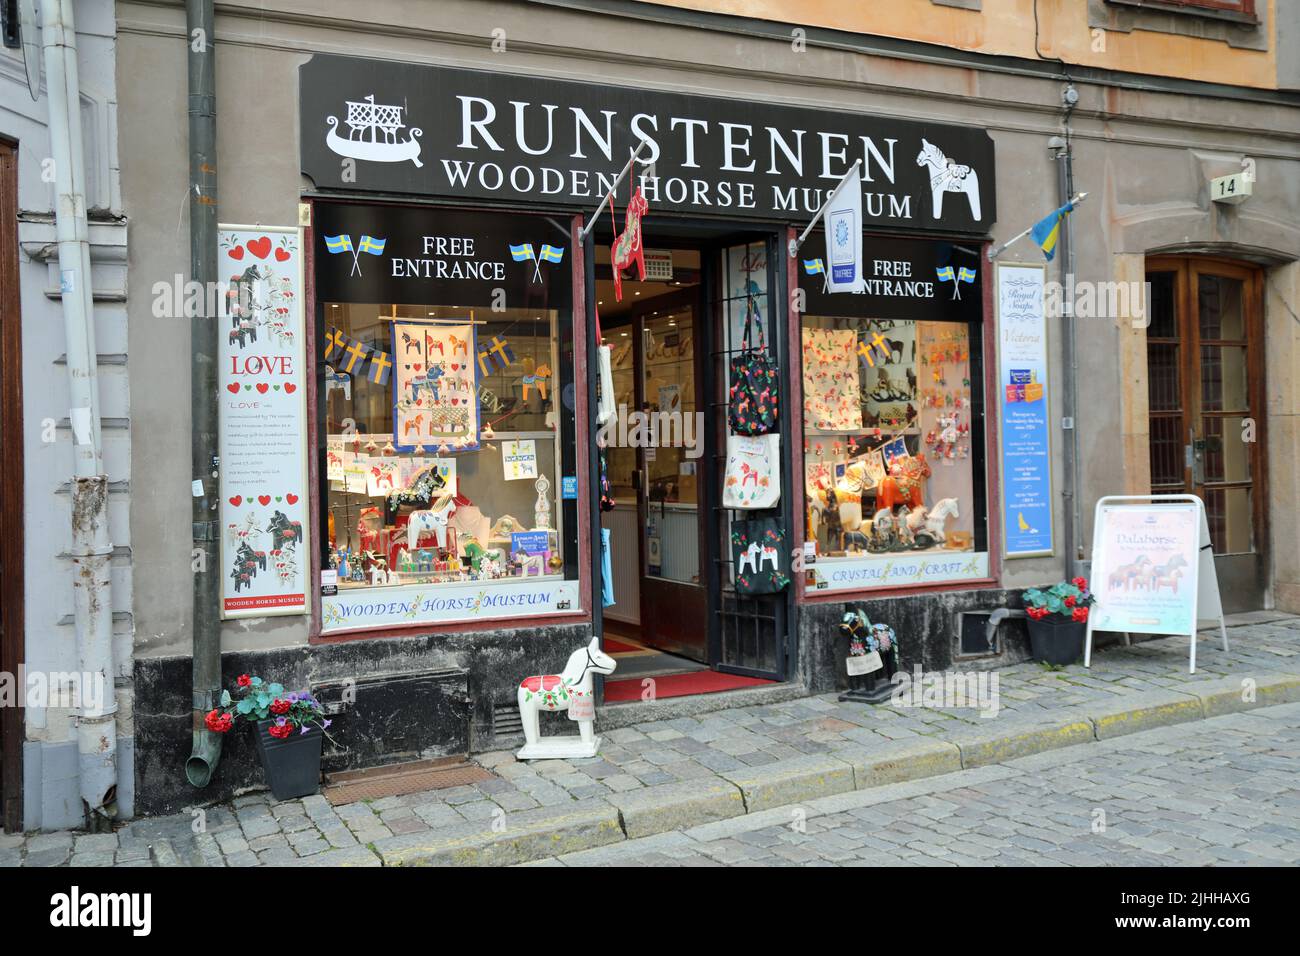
[[754, 394], [758, 556]]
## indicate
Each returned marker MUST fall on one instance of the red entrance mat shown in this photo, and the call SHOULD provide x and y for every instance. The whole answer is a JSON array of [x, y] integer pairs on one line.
[[613, 646], [680, 685]]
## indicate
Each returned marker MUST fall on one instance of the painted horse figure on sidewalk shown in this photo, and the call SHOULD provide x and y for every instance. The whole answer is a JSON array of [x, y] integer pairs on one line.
[[571, 689]]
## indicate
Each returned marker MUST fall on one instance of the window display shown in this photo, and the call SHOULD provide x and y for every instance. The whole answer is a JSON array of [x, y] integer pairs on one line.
[[447, 473], [892, 418], [446, 416]]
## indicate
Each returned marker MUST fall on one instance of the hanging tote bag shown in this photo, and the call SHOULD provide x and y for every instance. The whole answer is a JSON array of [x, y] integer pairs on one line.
[[605, 409], [753, 398], [758, 556], [752, 478]]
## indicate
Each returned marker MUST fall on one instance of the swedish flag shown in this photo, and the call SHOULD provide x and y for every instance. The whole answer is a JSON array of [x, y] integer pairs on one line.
[[371, 245], [552, 253], [337, 244], [965, 275], [814, 267], [1048, 231], [522, 253], [945, 274]]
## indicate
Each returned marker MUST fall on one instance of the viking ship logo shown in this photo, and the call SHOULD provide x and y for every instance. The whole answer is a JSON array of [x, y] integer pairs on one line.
[[375, 133]]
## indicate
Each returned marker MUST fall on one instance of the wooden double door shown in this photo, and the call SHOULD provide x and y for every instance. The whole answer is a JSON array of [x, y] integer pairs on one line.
[[1205, 373]]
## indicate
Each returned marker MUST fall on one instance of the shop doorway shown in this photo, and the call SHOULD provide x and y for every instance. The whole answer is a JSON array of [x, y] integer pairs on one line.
[[1205, 373], [676, 612], [11, 489]]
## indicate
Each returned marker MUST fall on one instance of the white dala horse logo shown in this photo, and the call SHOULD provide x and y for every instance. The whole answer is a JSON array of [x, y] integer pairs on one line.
[[949, 177]]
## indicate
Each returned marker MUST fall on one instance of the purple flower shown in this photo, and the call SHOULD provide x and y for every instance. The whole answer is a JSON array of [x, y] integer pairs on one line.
[[305, 729], [326, 724], [281, 721]]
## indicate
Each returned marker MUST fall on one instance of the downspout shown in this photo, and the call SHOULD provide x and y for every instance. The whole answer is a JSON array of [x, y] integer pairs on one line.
[[92, 589], [1073, 543], [206, 624]]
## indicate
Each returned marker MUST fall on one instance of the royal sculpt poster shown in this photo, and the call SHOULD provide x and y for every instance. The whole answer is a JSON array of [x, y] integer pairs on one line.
[[435, 387], [263, 414]]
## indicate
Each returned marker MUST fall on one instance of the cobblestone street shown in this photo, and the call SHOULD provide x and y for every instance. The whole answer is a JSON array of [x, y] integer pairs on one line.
[[1016, 787], [1208, 793]]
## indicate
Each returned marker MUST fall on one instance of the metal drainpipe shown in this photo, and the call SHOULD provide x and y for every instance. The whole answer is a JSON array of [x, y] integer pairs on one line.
[[206, 748], [92, 589], [1069, 354]]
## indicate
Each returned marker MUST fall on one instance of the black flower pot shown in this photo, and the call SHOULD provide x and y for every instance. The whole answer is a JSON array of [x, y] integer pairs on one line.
[[1056, 639], [292, 765]]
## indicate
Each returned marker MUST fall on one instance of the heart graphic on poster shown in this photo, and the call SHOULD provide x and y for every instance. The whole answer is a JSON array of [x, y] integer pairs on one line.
[[235, 501], [261, 388], [292, 499], [264, 500], [276, 387], [290, 388], [233, 388], [455, 401], [260, 247], [455, 366], [237, 253], [419, 401], [281, 255], [277, 499], [417, 367]]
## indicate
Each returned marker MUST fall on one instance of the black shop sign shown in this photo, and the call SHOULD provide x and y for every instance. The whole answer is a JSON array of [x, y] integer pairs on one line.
[[904, 279], [416, 255], [384, 127]]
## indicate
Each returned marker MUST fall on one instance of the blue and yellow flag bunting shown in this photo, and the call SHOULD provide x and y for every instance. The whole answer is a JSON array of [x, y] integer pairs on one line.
[[351, 357]]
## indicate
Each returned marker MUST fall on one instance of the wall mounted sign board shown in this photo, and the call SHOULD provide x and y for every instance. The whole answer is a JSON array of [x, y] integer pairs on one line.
[[263, 413], [415, 129], [1024, 401]]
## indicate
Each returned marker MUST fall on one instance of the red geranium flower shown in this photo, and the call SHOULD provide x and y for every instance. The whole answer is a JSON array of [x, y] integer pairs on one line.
[[1080, 614], [1080, 583], [218, 722], [243, 680], [280, 731], [1070, 601], [280, 706]]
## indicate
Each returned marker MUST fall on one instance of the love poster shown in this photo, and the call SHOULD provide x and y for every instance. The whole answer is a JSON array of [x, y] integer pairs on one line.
[[435, 388], [262, 366]]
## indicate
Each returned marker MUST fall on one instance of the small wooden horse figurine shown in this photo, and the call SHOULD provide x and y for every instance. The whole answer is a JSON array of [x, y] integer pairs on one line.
[[536, 380], [571, 688], [627, 247]]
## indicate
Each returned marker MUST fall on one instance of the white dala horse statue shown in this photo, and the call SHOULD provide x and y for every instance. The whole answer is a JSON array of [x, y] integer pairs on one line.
[[949, 177], [570, 690]]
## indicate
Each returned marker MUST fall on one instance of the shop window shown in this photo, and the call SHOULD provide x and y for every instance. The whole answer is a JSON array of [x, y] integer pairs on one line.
[[893, 422], [444, 472]]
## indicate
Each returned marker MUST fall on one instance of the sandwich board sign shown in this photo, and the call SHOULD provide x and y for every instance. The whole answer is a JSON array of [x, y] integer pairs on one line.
[[1152, 568]]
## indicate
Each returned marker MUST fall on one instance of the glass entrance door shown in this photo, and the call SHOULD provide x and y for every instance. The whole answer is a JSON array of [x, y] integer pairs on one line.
[[673, 596], [1206, 399]]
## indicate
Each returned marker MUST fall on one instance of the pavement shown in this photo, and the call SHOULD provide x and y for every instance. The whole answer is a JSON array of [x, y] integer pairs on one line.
[[666, 779]]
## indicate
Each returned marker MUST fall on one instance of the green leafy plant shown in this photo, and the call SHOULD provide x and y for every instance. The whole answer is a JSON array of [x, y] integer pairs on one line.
[[256, 700], [1070, 599]]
